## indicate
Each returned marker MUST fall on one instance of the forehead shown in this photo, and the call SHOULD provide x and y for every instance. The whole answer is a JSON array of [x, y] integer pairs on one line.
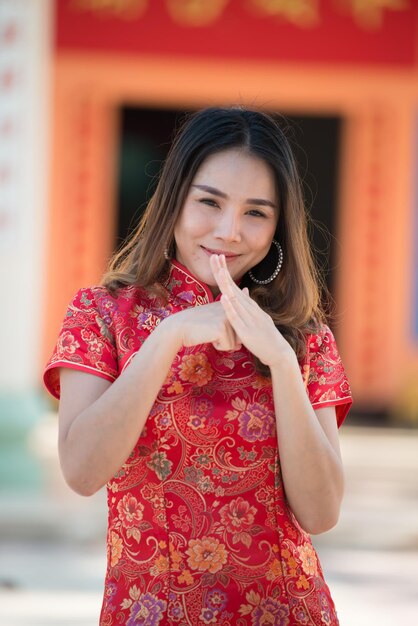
[[237, 168]]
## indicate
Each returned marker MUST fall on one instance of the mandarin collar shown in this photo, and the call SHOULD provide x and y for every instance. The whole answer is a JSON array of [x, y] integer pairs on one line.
[[184, 286]]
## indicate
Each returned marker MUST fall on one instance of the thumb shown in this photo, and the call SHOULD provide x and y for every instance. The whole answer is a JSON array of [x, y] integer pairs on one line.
[[245, 291]]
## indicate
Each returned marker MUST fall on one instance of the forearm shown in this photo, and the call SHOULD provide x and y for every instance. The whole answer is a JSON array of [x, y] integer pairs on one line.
[[102, 436], [311, 468]]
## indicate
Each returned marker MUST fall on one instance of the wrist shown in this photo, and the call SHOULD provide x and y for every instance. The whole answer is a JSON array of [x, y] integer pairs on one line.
[[169, 333], [284, 360]]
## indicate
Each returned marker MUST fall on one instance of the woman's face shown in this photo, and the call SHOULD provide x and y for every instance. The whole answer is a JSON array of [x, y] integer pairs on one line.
[[232, 209]]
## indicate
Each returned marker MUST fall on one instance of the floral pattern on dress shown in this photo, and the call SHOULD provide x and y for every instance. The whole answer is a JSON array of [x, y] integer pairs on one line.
[[327, 383], [199, 530]]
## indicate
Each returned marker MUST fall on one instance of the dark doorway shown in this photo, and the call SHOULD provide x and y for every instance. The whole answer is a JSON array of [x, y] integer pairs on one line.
[[145, 138], [316, 143]]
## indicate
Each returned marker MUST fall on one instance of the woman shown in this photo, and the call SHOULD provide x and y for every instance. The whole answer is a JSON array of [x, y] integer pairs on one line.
[[201, 385]]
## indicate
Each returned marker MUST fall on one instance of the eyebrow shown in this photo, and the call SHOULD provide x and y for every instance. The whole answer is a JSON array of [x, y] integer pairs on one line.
[[221, 194]]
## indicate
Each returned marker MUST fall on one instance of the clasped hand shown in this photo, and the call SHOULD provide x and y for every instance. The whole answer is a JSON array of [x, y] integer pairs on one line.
[[234, 321]]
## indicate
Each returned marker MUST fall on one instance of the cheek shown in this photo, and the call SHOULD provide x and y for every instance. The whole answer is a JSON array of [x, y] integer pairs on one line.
[[261, 237], [192, 224]]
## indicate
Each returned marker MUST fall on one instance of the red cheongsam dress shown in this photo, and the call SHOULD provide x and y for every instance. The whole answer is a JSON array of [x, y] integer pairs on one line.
[[200, 531]]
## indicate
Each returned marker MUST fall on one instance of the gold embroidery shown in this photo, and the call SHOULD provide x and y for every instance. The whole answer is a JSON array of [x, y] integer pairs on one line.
[[195, 12], [124, 9], [304, 13], [369, 14]]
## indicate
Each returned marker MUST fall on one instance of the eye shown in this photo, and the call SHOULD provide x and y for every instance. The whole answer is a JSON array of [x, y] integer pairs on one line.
[[209, 202], [256, 213]]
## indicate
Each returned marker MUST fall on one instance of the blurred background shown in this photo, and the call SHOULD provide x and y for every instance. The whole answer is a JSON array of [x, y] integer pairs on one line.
[[90, 94]]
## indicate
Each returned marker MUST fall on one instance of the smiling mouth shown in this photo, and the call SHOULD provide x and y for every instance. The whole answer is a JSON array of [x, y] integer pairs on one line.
[[227, 255]]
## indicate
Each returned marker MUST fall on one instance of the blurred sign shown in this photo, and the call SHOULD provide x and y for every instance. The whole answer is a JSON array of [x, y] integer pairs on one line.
[[309, 31], [12, 22]]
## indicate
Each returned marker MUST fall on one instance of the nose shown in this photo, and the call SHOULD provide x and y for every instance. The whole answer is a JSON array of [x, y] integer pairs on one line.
[[228, 227]]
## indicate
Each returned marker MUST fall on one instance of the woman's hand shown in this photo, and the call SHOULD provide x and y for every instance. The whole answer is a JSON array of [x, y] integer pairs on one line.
[[253, 327], [205, 324], [309, 453]]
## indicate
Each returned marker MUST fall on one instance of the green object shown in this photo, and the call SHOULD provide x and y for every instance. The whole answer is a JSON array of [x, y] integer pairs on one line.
[[19, 413]]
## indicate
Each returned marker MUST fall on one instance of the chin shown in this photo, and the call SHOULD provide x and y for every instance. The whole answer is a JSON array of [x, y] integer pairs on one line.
[[206, 278]]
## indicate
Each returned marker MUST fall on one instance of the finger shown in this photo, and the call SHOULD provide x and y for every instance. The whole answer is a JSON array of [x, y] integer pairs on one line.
[[225, 280], [221, 274], [234, 315], [227, 285], [227, 339], [232, 335], [222, 261], [223, 343], [227, 343], [226, 274], [229, 288], [220, 347], [215, 265]]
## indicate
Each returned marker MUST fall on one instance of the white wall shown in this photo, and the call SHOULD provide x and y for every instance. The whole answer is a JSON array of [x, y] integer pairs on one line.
[[25, 58]]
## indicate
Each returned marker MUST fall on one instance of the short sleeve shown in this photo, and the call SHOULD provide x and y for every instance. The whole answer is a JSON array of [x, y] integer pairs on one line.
[[327, 383], [84, 343]]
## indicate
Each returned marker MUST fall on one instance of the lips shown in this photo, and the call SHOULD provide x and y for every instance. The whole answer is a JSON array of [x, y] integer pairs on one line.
[[227, 255]]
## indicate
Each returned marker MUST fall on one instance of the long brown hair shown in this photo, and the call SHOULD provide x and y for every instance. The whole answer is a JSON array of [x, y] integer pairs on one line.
[[293, 299]]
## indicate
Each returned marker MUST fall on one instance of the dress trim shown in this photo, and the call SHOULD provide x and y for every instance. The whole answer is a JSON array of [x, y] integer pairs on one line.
[[334, 402], [54, 388]]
